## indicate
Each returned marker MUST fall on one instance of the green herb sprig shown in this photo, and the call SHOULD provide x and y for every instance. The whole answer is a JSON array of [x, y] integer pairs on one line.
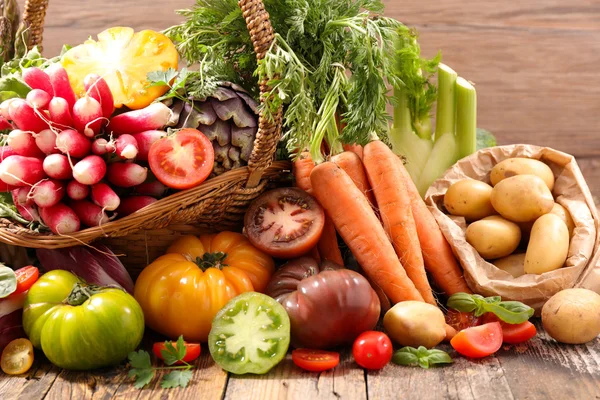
[[422, 357], [144, 372], [512, 312]]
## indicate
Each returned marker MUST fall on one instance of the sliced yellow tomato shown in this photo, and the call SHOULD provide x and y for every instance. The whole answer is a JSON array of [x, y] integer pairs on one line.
[[17, 357], [123, 58]]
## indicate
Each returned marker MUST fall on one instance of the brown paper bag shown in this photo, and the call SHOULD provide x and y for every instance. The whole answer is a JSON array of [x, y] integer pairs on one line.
[[582, 267]]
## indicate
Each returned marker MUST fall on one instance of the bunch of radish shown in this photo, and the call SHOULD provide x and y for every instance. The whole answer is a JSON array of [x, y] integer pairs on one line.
[[69, 162]]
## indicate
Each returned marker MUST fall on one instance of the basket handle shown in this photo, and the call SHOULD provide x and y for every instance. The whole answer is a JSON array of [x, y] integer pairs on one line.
[[34, 14], [265, 145]]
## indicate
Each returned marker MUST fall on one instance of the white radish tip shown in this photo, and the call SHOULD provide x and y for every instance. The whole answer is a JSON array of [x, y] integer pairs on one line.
[[129, 152]]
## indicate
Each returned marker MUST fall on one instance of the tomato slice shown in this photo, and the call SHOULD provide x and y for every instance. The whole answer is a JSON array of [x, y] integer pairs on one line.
[[461, 320], [285, 222], [372, 350], [478, 341], [315, 360], [192, 351], [513, 333], [26, 277], [183, 160], [17, 357]]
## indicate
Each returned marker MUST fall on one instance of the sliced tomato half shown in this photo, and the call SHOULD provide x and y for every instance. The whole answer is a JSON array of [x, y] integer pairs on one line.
[[192, 351], [183, 160], [513, 333], [26, 277], [315, 360], [479, 341]]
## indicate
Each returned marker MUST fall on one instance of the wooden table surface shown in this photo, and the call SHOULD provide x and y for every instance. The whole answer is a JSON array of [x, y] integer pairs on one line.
[[535, 67]]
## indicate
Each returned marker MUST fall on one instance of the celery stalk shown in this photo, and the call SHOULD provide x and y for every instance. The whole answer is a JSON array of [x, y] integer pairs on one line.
[[466, 118], [442, 156], [445, 116]]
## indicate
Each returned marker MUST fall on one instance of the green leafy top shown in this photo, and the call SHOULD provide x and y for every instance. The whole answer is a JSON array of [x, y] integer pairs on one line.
[[512, 312]]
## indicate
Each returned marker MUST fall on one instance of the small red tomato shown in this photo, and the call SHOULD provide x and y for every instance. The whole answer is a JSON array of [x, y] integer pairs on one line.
[[315, 360], [478, 341], [26, 277], [192, 351], [513, 333], [372, 350]]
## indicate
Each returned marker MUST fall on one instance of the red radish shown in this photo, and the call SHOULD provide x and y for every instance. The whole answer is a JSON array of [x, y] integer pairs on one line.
[[57, 166], [21, 171], [6, 151], [87, 116], [60, 113], [39, 99], [105, 197], [126, 147], [60, 218], [154, 189], [89, 213], [22, 196], [29, 212], [25, 117], [4, 124], [144, 141], [4, 188], [23, 144], [126, 174], [155, 116], [60, 83], [37, 79], [4, 107], [99, 146], [90, 170], [48, 193], [46, 141], [129, 205], [77, 191], [97, 88], [73, 143]]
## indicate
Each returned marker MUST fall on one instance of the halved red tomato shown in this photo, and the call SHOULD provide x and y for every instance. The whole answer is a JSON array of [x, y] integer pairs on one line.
[[315, 360], [478, 341], [182, 160], [192, 351], [26, 277], [461, 320], [285, 222], [513, 333]]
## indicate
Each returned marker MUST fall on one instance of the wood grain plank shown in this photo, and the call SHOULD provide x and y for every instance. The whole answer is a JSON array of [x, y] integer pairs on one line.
[[590, 168], [32, 386], [101, 384], [547, 14], [286, 381]]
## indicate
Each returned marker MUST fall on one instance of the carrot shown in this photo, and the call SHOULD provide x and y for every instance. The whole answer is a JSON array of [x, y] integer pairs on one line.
[[355, 148], [396, 215], [437, 254], [327, 248], [360, 228], [353, 166]]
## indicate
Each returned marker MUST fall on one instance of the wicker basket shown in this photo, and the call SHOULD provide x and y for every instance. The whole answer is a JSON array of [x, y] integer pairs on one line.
[[217, 204]]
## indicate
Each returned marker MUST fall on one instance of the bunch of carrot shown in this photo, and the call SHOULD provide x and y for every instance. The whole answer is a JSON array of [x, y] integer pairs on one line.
[[371, 201]]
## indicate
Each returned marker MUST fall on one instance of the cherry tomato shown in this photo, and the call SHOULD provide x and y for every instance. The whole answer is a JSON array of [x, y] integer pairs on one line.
[[26, 277], [192, 351], [285, 222], [512, 333], [183, 160], [461, 320], [478, 341], [372, 350], [17, 357], [315, 360]]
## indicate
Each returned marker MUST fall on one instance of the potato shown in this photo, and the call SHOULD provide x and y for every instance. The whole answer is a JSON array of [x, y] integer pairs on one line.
[[513, 264], [548, 245], [564, 214], [493, 237], [522, 166], [522, 198], [572, 316], [414, 323], [469, 198]]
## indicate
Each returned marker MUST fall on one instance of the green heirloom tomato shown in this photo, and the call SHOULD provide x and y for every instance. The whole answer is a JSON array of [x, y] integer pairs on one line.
[[80, 326]]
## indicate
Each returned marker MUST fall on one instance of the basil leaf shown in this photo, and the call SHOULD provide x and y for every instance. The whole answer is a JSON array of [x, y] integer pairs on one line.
[[422, 357], [404, 358], [439, 357], [463, 302], [424, 363], [493, 300], [8, 281], [512, 312]]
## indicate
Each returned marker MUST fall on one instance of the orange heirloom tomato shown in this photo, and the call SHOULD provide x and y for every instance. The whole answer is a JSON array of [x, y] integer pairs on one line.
[[182, 291]]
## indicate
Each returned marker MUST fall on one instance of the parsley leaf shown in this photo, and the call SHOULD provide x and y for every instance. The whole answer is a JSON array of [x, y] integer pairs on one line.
[[161, 78], [142, 368], [176, 378]]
